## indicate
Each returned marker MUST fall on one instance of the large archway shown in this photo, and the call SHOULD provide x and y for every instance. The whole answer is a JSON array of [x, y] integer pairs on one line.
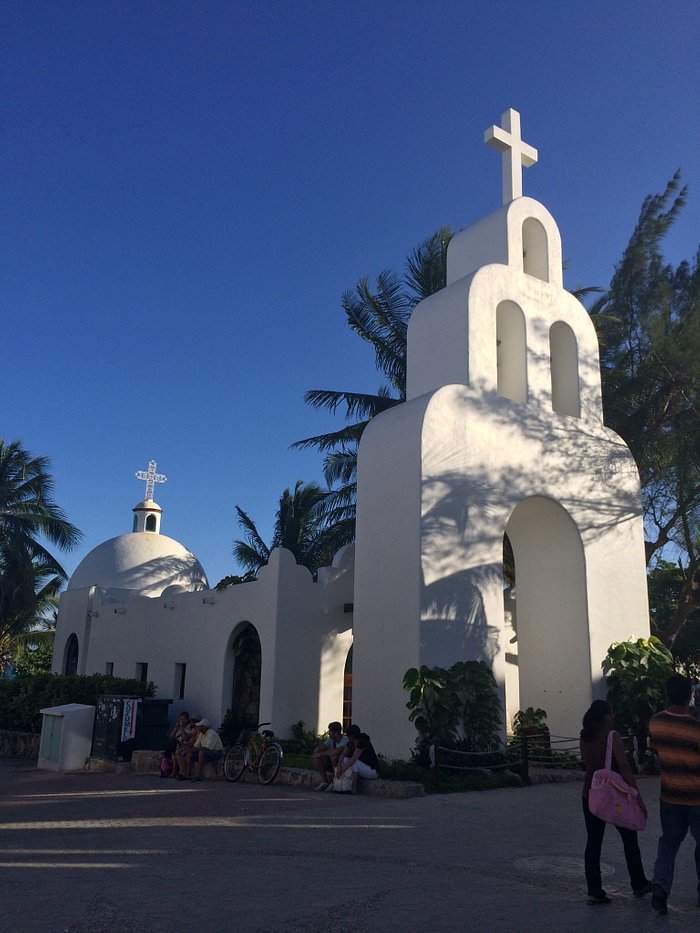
[[550, 614]]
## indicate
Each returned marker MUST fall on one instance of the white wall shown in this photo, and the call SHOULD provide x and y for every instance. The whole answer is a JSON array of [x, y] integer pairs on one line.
[[303, 629]]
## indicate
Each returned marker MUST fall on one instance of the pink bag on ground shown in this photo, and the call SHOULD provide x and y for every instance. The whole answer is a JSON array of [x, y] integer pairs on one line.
[[612, 799]]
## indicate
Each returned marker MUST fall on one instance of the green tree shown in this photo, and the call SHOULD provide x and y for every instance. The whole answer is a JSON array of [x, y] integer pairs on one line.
[[300, 526], [33, 659], [380, 317], [30, 576], [666, 583], [648, 324]]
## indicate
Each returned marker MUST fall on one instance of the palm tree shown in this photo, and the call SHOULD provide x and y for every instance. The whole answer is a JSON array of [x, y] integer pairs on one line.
[[300, 527], [30, 576], [381, 318]]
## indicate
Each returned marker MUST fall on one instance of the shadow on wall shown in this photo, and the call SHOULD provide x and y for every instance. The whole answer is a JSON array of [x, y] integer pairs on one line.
[[455, 617], [466, 506]]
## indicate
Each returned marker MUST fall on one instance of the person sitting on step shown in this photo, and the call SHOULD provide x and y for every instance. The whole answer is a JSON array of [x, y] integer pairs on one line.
[[363, 762], [208, 748], [328, 752]]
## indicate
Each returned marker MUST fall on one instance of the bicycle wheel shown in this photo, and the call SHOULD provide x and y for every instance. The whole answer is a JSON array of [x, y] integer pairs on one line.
[[269, 764], [234, 762]]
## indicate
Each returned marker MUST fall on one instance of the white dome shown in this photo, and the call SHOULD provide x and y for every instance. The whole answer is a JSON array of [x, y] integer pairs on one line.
[[142, 562]]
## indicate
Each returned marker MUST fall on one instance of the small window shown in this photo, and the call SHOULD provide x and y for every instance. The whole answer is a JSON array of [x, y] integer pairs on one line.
[[150, 523], [109, 668], [142, 672], [179, 687], [136, 521]]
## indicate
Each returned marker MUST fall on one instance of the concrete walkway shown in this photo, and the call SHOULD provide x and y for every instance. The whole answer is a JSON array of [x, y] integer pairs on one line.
[[129, 853]]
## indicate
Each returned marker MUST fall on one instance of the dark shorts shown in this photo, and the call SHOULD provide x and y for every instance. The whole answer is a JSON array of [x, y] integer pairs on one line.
[[207, 754]]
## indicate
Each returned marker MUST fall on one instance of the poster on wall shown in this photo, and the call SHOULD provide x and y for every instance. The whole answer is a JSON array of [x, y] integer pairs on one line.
[[129, 720]]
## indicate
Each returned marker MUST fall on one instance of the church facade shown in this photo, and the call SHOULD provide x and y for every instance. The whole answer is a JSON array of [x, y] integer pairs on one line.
[[501, 434], [149, 613]]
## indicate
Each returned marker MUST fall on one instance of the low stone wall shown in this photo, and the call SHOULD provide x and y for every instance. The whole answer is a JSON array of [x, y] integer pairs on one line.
[[19, 745], [147, 762]]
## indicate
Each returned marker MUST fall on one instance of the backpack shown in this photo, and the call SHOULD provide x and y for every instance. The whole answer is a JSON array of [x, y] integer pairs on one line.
[[166, 767]]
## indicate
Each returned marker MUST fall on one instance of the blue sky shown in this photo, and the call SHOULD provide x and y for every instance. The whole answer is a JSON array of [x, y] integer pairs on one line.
[[188, 188]]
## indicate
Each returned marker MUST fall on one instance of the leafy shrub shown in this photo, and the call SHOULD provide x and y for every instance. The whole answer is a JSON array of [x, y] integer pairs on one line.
[[33, 661], [531, 724], [637, 672], [301, 746], [457, 707], [22, 698], [304, 741], [529, 721]]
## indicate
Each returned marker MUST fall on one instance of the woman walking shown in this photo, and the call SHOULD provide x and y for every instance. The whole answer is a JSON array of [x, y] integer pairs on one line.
[[597, 724]]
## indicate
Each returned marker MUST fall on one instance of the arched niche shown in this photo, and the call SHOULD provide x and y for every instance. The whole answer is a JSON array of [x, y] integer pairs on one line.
[[535, 249], [563, 354], [70, 657], [511, 351], [244, 671], [150, 523]]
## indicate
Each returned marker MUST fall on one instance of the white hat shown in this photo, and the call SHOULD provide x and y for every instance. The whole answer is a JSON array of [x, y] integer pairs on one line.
[[203, 722]]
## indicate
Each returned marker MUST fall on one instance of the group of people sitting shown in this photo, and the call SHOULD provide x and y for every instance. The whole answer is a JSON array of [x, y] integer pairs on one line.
[[191, 743], [342, 755]]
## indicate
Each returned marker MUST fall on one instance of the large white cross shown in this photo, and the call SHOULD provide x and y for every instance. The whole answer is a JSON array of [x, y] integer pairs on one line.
[[151, 478], [506, 138]]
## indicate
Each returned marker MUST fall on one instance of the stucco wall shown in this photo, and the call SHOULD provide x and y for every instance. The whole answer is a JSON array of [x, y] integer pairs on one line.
[[303, 630]]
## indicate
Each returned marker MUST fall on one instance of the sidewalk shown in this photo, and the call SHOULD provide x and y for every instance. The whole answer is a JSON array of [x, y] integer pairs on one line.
[[127, 853]]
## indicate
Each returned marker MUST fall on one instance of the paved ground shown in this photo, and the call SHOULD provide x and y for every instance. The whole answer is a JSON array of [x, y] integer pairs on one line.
[[123, 853]]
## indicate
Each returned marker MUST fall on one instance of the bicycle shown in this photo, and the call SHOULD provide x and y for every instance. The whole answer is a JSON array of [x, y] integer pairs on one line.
[[257, 753]]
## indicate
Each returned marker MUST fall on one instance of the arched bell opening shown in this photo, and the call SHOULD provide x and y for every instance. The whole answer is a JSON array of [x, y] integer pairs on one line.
[[535, 249], [563, 354], [511, 351]]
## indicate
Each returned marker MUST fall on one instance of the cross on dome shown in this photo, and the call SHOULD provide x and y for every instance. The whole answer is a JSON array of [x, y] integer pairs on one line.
[[151, 478], [515, 153]]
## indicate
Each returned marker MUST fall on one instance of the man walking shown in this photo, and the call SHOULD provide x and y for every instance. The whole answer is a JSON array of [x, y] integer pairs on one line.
[[675, 737]]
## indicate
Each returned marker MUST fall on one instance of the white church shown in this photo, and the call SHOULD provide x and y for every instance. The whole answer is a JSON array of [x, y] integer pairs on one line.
[[501, 433]]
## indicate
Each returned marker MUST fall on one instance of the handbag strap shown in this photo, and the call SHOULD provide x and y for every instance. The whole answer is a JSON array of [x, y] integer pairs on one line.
[[608, 752]]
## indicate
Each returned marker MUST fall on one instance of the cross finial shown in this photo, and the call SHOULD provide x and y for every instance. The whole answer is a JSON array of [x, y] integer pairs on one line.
[[506, 138], [151, 478]]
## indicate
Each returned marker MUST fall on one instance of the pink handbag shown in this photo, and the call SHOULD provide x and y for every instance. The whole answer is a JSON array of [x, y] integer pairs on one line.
[[612, 799]]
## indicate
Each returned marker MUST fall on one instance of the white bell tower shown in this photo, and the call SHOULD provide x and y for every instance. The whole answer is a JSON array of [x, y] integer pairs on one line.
[[502, 432]]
